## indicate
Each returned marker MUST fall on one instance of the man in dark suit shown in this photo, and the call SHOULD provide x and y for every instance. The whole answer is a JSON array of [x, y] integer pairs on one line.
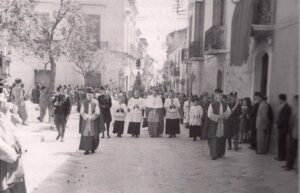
[[62, 110], [283, 126], [105, 103], [233, 121]]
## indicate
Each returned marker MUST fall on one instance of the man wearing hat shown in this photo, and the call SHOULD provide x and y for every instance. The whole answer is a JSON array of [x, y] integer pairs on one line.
[[233, 121], [89, 123], [218, 112]]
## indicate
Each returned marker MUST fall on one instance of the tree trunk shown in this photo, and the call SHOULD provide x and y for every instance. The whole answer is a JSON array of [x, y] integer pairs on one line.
[[53, 73], [85, 81]]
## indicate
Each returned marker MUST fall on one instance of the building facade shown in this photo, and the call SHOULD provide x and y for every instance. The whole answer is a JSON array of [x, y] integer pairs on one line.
[[270, 61], [176, 56], [115, 32], [244, 46], [209, 36]]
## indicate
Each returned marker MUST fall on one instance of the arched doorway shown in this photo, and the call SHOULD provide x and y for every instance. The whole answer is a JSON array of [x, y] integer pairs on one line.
[[261, 73], [220, 79]]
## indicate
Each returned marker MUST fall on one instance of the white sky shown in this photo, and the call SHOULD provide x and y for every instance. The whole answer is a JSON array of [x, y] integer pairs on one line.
[[156, 19]]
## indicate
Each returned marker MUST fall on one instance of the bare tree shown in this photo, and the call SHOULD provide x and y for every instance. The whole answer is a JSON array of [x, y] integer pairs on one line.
[[47, 36]]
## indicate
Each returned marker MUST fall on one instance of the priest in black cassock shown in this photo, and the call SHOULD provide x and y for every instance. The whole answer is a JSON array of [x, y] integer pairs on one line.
[[218, 112]]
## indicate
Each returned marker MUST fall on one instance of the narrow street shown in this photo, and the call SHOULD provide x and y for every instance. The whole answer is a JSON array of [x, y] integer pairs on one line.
[[148, 165]]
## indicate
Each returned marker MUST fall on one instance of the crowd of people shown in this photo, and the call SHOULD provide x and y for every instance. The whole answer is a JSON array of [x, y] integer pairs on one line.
[[218, 118]]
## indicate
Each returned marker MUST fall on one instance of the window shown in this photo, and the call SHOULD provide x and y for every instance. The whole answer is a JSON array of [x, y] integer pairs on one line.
[[94, 28]]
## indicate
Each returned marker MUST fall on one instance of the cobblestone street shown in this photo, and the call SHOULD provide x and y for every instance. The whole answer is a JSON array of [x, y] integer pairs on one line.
[[145, 165]]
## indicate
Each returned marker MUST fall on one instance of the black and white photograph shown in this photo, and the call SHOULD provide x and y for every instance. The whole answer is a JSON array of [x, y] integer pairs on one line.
[[149, 96]]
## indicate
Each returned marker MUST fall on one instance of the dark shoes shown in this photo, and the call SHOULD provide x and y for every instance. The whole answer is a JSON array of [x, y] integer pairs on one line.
[[40, 120], [86, 152], [278, 159]]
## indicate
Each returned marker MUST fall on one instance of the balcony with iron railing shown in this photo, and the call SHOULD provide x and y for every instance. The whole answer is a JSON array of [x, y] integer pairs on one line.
[[195, 49], [263, 17], [215, 40]]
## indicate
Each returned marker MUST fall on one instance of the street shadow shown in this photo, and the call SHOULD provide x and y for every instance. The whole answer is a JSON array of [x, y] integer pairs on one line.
[[44, 128]]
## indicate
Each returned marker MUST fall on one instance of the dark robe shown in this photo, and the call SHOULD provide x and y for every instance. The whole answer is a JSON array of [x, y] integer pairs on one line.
[[205, 121], [161, 123], [253, 116], [233, 122], [283, 129]]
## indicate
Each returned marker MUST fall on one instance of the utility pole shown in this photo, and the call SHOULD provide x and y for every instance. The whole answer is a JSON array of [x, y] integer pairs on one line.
[[178, 7]]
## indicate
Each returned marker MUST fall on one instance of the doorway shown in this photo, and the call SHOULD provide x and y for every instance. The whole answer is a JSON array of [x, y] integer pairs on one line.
[[261, 73]]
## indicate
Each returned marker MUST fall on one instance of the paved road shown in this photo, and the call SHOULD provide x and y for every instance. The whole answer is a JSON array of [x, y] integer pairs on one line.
[[149, 165]]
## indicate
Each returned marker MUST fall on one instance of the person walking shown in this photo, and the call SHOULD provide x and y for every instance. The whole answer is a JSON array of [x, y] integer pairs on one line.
[[283, 126], [35, 94], [262, 125], [196, 113], [293, 132], [105, 103], [43, 103], [186, 110], [218, 112], [253, 117], [154, 113], [245, 121], [233, 121], [89, 123], [18, 99], [172, 107], [62, 105], [182, 100], [119, 116], [51, 108], [135, 108], [205, 122]]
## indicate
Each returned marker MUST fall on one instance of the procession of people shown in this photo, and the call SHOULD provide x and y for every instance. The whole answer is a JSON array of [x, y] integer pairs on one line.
[[217, 118]]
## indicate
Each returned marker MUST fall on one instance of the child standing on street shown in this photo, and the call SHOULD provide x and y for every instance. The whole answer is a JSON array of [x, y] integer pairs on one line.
[[119, 115], [195, 119]]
